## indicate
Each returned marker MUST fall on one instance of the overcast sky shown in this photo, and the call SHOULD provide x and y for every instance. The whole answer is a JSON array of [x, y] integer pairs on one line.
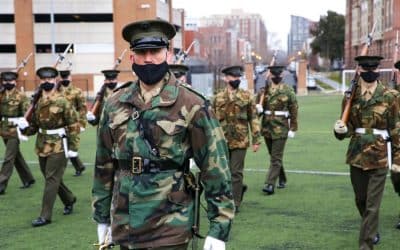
[[276, 13]]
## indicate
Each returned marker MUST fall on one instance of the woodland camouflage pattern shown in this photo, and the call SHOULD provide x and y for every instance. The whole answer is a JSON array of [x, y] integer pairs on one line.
[[75, 96], [368, 151], [153, 209], [282, 99], [235, 115], [52, 113], [13, 104]]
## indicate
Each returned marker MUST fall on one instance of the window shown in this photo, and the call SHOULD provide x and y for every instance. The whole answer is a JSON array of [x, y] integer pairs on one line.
[[46, 48], [7, 48], [6, 18], [74, 18]]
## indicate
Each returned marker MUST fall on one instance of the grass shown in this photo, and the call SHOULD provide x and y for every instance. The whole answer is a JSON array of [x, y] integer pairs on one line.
[[324, 85], [335, 75], [313, 212]]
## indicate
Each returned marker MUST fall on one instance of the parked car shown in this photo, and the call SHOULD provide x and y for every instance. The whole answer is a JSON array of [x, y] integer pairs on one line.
[[311, 83]]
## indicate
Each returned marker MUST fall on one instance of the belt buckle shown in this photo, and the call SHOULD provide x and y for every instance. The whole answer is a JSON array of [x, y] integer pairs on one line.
[[137, 165]]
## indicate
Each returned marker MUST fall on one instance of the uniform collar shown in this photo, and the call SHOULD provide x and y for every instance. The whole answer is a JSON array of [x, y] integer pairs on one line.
[[369, 87], [166, 97]]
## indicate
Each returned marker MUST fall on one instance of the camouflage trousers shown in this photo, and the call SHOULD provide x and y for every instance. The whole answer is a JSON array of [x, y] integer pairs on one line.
[[52, 168], [368, 186], [276, 170], [178, 247], [13, 157], [236, 166]]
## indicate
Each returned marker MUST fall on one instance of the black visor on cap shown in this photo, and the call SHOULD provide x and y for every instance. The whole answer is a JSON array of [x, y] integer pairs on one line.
[[8, 76], [64, 73], [149, 43], [47, 72], [110, 74]]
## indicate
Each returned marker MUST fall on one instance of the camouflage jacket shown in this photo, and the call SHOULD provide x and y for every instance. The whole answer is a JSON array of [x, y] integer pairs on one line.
[[54, 112], [282, 99], [78, 101], [13, 104], [369, 151], [153, 209], [235, 115]]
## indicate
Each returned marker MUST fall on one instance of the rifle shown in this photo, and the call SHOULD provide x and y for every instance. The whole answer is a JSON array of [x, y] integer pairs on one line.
[[38, 92], [272, 63], [181, 56], [23, 63], [100, 95], [349, 94], [19, 67], [119, 59], [394, 70]]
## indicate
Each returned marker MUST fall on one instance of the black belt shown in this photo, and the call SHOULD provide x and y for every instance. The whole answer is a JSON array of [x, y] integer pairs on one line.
[[140, 165]]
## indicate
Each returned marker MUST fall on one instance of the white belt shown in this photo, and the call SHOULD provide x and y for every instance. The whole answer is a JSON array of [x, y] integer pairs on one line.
[[11, 119], [385, 135], [58, 131], [277, 113]]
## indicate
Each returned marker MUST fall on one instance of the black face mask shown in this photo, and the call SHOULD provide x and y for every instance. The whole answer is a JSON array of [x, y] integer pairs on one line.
[[150, 73], [234, 83], [111, 85], [276, 79], [369, 76], [65, 83], [47, 86], [9, 86]]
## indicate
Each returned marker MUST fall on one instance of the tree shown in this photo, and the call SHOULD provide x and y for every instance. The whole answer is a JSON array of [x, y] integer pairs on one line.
[[329, 36]]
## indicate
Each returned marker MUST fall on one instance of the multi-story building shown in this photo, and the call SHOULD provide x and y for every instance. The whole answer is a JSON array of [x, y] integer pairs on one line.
[[46, 27], [298, 35], [361, 15], [239, 25]]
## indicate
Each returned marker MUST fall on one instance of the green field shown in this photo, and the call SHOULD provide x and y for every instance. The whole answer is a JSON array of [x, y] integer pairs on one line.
[[314, 211]]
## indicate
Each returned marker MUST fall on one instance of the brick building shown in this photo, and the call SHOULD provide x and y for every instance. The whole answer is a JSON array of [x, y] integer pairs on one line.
[[360, 18], [46, 27]]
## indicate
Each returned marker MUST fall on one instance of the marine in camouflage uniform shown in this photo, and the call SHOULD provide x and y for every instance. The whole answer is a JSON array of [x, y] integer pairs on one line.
[[53, 119], [279, 121], [395, 171], [13, 105], [235, 110], [75, 96], [148, 130], [374, 116], [110, 83]]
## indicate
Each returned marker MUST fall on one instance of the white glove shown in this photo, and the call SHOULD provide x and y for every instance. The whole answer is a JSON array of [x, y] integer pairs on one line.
[[90, 116], [340, 127], [291, 134], [213, 244], [82, 129], [72, 154], [259, 108], [22, 123], [104, 233]]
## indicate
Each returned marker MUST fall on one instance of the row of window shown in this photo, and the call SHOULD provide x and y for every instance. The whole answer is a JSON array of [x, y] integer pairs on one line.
[[64, 18], [39, 48]]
